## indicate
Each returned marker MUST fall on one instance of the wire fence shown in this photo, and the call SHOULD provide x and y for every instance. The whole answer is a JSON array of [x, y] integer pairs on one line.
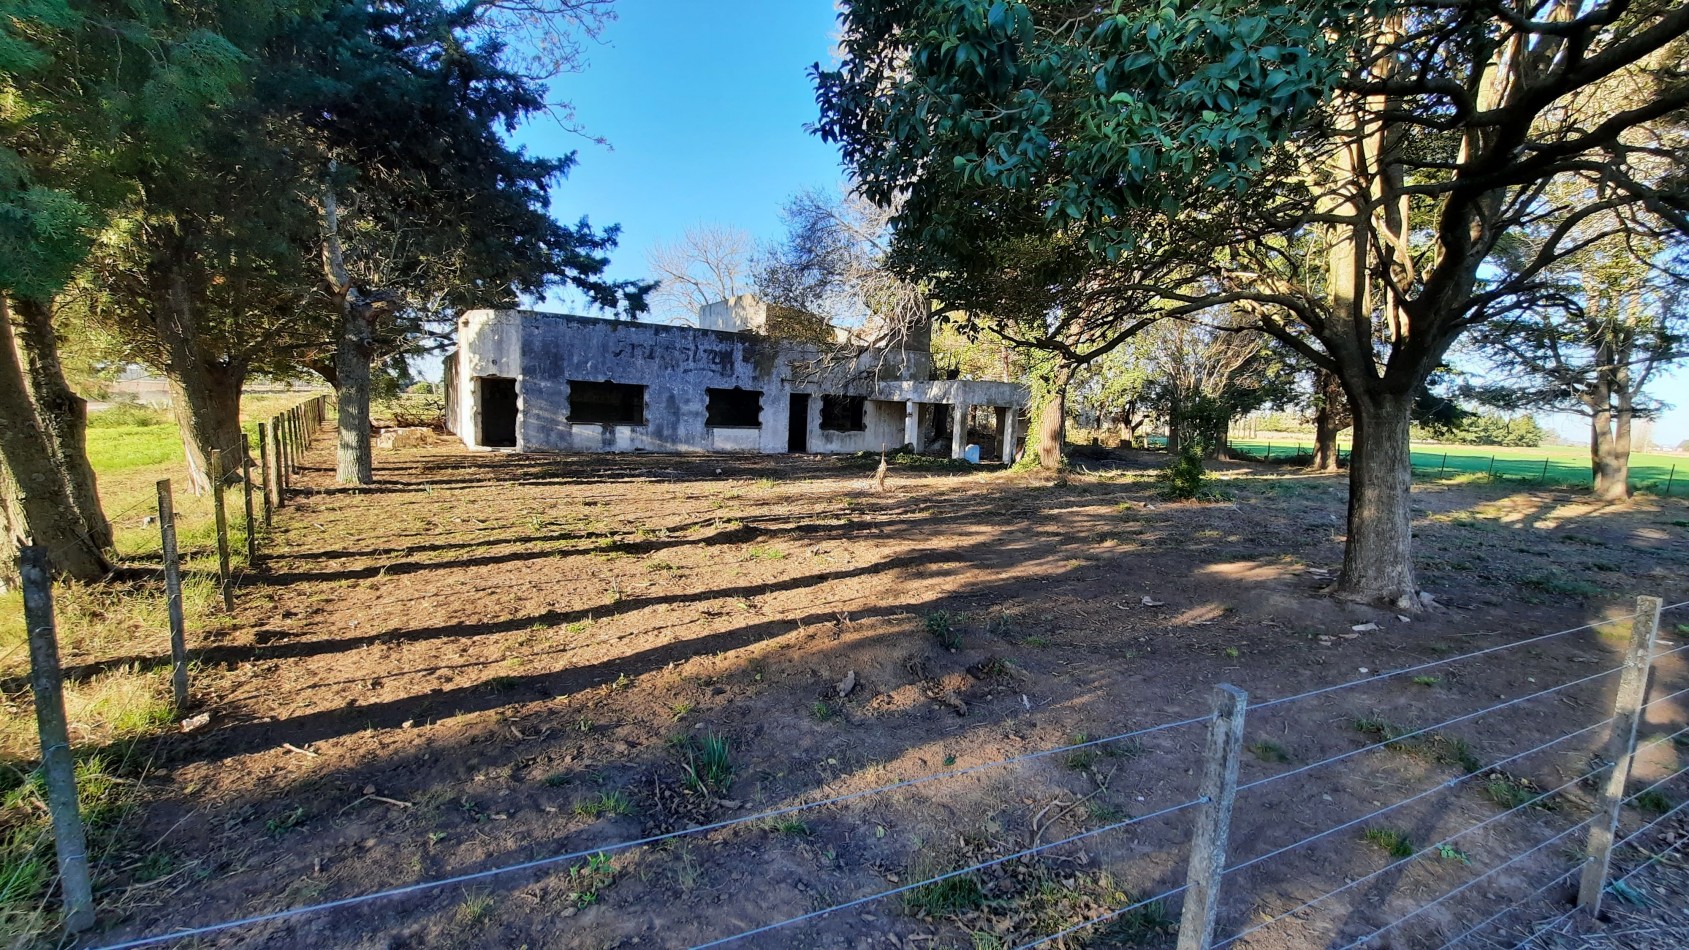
[[1211, 808], [1655, 476]]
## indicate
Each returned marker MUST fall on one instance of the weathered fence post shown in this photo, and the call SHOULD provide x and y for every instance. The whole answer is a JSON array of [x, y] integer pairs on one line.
[[1621, 748], [1214, 822], [173, 595], [58, 766], [219, 472], [246, 486], [264, 470], [284, 455]]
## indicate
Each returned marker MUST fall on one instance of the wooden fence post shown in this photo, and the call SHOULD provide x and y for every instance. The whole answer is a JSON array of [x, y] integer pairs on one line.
[[1214, 822], [58, 766], [286, 440], [1621, 748], [246, 486], [264, 470], [173, 595], [218, 474]]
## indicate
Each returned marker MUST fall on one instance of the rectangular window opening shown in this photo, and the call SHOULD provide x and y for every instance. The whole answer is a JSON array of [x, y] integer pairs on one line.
[[611, 404], [844, 413], [733, 408]]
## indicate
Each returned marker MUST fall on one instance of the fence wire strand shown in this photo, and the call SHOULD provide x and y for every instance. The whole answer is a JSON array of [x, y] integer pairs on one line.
[[1422, 908], [1417, 854], [1440, 787], [813, 915], [422, 886], [1419, 732]]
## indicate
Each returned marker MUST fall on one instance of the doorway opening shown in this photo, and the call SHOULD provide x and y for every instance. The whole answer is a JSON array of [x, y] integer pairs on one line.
[[497, 398], [797, 424]]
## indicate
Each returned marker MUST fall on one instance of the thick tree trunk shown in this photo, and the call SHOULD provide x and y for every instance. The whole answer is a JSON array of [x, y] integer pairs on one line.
[[43, 513], [63, 414], [352, 352], [1217, 443], [353, 464], [1378, 557], [204, 393], [1325, 441], [206, 402], [1051, 429], [1609, 450]]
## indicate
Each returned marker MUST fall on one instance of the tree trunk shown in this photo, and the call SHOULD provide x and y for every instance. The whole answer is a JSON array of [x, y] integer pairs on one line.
[[1325, 441], [1609, 450], [1051, 427], [44, 513], [352, 352], [1217, 445], [1052, 430], [1378, 556], [353, 464], [11, 519], [206, 403], [64, 416], [204, 393]]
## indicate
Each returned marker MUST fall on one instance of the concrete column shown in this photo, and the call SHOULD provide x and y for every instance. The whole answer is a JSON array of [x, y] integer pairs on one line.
[[912, 425], [958, 429], [1006, 432]]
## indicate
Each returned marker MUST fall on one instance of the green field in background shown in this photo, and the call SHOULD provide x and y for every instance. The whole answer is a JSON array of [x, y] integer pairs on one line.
[[1549, 464]]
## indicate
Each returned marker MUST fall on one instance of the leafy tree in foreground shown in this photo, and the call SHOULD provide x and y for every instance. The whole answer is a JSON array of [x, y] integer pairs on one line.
[[1409, 137]]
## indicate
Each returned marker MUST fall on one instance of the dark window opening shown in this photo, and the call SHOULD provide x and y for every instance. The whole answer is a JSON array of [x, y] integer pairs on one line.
[[498, 412], [844, 413], [733, 408], [611, 404]]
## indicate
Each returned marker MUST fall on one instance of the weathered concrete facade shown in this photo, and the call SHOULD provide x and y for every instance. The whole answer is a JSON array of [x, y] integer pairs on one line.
[[542, 382]]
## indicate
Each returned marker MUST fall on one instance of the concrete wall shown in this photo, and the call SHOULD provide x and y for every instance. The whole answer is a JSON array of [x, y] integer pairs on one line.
[[543, 352]]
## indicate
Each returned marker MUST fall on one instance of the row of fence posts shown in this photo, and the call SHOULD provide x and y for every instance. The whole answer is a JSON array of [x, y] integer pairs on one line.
[[1224, 750], [1443, 467], [281, 442]]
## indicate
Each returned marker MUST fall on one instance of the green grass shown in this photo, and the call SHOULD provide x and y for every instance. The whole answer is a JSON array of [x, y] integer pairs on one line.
[[1512, 791], [708, 764], [942, 624], [949, 896], [604, 803], [1567, 465], [1391, 841]]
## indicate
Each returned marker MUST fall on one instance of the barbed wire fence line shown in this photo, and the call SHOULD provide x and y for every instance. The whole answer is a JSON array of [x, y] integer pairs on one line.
[[1208, 806], [291, 432]]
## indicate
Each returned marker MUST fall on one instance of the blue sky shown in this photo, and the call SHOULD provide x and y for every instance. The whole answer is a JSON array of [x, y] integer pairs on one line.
[[703, 107]]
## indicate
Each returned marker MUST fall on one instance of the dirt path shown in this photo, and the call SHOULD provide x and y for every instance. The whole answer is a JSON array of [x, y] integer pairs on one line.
[[488, 659]]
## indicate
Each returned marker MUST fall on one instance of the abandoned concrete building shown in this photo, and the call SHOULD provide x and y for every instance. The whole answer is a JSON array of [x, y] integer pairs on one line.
[[547, 382]]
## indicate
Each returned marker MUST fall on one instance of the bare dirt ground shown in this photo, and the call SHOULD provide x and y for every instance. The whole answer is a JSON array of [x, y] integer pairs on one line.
[[490, 659]]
